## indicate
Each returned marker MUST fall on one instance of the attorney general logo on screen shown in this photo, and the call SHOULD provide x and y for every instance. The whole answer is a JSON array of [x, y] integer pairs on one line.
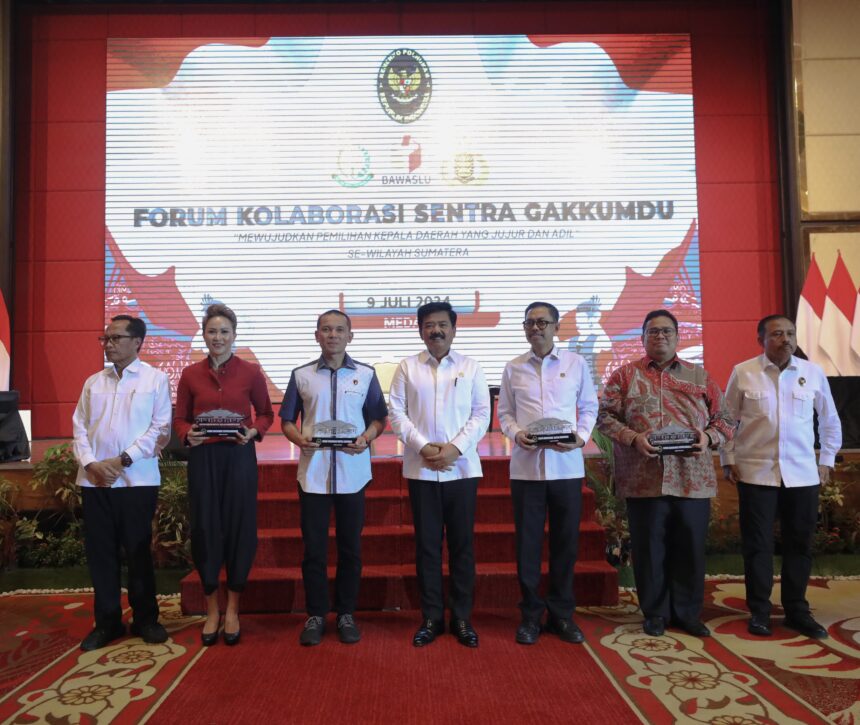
[[404, 85]]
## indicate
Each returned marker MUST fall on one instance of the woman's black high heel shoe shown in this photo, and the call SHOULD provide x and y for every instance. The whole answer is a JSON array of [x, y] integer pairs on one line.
[[210, 638]]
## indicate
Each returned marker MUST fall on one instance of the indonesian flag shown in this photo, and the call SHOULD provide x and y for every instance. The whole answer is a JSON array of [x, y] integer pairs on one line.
[[855, 328], [836, 322], [810, 309], [5, 344]]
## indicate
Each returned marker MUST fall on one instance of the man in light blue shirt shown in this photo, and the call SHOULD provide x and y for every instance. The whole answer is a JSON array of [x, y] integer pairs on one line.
[[332, 388]]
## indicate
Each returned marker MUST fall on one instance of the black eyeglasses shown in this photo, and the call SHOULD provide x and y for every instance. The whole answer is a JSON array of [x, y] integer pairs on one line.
[[655, 332], [112, 339], [539, 324]]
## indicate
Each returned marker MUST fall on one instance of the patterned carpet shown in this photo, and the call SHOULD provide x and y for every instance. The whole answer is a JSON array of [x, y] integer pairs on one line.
[[622, 675]]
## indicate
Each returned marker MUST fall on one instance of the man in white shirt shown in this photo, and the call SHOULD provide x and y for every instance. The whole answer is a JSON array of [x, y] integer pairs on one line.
[[121, 423], [334, 387], [546, 382], [772, 461], [440, 409]]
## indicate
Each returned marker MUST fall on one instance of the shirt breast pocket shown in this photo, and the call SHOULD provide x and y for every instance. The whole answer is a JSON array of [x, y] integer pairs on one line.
[[756, 403], [802, 404]]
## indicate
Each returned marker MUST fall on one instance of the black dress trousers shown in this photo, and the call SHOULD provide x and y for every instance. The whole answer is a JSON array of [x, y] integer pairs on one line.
[[797, 508], [349, 522], [118, 519], [445, 509], [533, 501], [222, 492], [667, 542]]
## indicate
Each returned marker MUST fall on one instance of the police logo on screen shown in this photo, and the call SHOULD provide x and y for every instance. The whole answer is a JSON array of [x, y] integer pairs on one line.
[[403, 85]]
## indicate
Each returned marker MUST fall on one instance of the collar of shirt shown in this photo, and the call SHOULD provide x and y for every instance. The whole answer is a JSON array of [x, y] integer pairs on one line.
[[652, 363], [552, 353], [347, 363], [223, 367], [133, 367], [766, 363], [427, 359]]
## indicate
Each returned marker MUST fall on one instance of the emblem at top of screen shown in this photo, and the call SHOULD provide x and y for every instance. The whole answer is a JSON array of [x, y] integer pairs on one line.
[[403, 85]]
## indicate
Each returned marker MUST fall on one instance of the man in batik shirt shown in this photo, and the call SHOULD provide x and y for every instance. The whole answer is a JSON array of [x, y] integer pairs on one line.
[[668, 496]]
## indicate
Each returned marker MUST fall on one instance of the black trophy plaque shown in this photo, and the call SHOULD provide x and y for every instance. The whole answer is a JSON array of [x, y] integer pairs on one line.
[[220, 423], [334, 434], [546, 431], [674, 440]]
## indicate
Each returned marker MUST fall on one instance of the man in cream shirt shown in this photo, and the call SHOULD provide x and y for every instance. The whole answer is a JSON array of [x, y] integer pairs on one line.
[[440, 409], [772, 461]]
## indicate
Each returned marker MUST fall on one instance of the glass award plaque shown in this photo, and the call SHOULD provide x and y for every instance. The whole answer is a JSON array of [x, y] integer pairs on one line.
[[334, 434], [546, 431], [220, 423], [674, 440]]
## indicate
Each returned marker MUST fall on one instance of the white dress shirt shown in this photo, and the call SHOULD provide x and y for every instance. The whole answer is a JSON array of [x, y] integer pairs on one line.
[[556, 386], [774, 439], [129, 413], [445, 401]]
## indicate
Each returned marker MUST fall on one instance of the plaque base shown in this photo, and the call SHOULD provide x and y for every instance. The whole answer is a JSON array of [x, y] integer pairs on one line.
[[332, 442], [547, 439], [219, 431]]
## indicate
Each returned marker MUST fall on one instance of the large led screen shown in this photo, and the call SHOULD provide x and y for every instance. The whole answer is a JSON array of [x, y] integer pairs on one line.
[[288, 176]]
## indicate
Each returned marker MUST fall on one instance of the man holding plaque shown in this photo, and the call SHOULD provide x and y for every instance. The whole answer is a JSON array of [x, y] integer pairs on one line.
[[664, 416], [547, 407], [440, 409], [772, 461], [121, 423], [342, 410]]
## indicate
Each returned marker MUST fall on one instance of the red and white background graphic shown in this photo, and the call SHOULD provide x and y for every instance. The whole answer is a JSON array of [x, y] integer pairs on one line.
[[287, 176], [828, 313]]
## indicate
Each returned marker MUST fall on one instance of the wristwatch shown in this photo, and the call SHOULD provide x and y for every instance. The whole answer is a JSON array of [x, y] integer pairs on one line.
[[125, 459]]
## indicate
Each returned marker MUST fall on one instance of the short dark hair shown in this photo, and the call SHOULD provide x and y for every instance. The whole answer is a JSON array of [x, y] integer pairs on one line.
[[762, 323], [659, 313], [425, 310], [335, 312], [134, 326], [219, 310], [553, 310]]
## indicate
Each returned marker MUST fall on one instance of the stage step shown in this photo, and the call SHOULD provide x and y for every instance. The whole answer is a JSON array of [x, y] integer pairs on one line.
[[388, 545], [387, 506], [396, 544], [395, 587]]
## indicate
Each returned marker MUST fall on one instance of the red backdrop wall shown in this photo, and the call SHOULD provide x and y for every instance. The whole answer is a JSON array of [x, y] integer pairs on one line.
[[60, 76]]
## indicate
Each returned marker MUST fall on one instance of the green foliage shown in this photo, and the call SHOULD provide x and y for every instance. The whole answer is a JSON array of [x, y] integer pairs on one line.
[[56, 474], [170, 526], [610, 510], [55, 549]]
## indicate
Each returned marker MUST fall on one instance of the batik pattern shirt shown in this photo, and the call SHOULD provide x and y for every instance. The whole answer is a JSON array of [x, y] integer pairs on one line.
[[641, 398]]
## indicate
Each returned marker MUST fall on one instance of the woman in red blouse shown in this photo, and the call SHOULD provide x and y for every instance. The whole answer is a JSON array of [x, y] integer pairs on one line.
[[222, 472]]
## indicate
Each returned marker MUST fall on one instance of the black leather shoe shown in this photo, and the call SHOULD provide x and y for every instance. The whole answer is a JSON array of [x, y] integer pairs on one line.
[[102, 636], [231, 638], [427, 632], [806, 625], [566, 630], [654, 626], [464, 632], [151, 633], [694, 627], [313, 632], [759, 625], [207, 639], [347, 630], [528, 632]]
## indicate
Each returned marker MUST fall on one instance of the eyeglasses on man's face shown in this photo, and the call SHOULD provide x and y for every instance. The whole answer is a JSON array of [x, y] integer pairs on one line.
[[112, 339], [655, 332], [539, 324]]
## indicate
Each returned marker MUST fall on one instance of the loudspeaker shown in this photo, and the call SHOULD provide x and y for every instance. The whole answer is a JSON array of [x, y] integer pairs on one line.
[[14, 445]]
